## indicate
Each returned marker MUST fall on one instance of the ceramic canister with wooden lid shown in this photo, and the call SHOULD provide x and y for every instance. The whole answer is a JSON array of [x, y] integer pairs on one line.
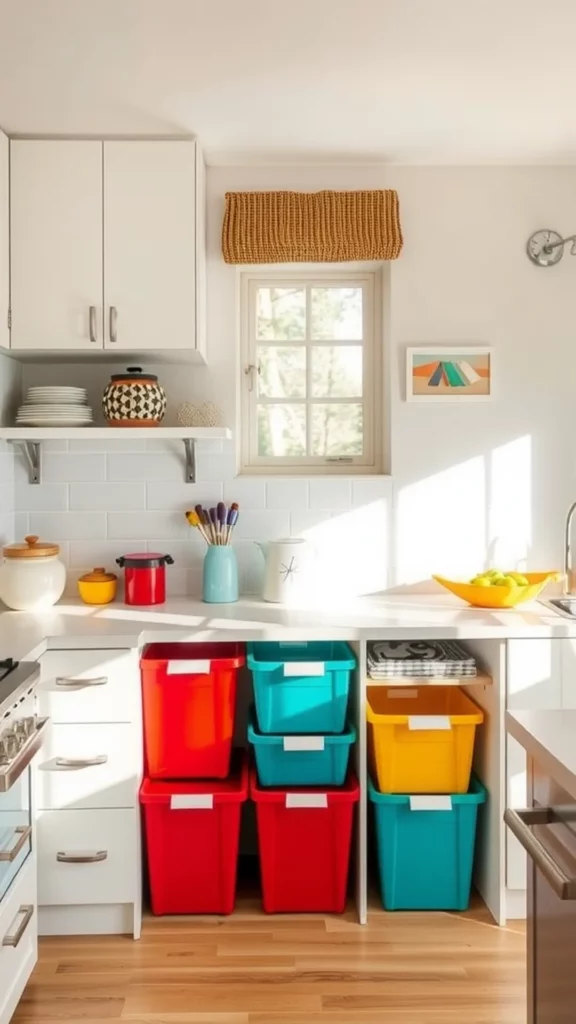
[[32, 577]]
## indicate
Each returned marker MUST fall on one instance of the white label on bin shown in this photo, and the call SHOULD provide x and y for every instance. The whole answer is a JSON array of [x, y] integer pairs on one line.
[[304, 668], [306, 800], [192, 802], [430, 803], [397, 692], [425, 722], [303, 742], [195, 667]]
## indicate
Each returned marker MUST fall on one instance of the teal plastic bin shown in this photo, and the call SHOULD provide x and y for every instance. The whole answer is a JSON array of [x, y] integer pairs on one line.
[[301, 760], [301, 687], [425, 856]]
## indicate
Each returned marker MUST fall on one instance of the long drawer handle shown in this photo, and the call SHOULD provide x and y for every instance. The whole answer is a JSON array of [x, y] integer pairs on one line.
[[82, 858], [14, 940], [23, 832], [81, 762], [519, 822], [69, 683], [92, 323], [113, 324]]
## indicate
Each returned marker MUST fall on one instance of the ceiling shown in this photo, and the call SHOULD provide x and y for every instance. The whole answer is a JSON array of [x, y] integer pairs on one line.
[[400, 81]]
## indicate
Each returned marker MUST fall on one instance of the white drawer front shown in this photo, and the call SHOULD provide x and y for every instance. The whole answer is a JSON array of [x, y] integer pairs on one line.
[[18, 939], [89, 766], [106, 841], [89, 686]]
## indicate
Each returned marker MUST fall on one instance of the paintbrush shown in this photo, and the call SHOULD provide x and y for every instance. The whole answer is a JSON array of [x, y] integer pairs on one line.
[[221, 514], [231, 520], [194, 520]]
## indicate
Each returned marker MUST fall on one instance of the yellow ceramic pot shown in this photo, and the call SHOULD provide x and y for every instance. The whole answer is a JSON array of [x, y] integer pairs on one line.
[[98, 586]]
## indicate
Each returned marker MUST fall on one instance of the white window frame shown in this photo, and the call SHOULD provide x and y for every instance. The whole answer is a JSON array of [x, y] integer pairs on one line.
[[372, 392]]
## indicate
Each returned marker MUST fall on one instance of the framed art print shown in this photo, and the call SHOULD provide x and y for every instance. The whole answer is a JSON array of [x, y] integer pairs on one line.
[[449, 373]]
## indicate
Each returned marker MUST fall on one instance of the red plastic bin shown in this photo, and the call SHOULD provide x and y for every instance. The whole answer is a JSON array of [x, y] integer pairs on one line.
[[192, 836], [189, 705], [304, 838]]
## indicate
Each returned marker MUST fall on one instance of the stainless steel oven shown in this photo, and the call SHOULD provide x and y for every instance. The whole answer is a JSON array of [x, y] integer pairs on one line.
[[22, 733]]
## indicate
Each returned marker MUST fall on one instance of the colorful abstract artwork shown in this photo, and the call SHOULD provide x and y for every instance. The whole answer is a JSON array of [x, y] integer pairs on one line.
[[449, 374]]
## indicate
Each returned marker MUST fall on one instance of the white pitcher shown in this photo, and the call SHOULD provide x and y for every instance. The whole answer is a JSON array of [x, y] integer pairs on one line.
[[288, 569]]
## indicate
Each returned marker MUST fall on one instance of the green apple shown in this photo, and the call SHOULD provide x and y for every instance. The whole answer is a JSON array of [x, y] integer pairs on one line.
[[508, 581], [481, 581], [519, 579]]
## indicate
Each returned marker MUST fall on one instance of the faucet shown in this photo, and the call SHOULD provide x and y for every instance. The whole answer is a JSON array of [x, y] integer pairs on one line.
[[568, 549]]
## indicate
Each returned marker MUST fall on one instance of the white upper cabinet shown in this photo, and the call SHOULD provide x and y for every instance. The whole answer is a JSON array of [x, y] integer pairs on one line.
[[107, 246], [4, 242], [149, 245], [56, 245]]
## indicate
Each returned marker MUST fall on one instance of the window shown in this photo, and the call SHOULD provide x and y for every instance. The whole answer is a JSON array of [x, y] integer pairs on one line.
[[309, 372]]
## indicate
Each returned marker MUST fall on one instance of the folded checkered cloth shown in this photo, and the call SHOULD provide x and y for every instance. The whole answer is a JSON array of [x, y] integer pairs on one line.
[[440, 658]]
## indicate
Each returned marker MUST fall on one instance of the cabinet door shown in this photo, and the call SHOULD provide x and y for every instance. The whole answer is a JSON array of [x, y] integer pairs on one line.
[[150, 245], [56, 245], [533, 681], [4, 242]]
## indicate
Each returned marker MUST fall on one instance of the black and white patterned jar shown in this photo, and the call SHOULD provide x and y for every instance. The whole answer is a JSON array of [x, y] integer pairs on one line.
[[134, 399]]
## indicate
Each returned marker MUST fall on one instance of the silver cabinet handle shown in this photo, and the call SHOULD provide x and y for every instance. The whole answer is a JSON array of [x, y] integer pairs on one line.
[[14, 940], [82, 762], [10, 773], [92, 323], [23, 832], [519, 822], [113, 324], [82, 858], [69, 683]]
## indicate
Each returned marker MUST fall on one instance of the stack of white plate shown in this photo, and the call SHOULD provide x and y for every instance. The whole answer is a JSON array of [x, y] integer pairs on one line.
[[55, 407]]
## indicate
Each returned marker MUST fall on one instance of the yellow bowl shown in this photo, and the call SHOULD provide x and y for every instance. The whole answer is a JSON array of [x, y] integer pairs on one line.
[[500, 597], [97, 592]]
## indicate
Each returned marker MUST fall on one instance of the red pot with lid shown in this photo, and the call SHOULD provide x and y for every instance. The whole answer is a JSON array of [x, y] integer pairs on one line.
[[145, 577]]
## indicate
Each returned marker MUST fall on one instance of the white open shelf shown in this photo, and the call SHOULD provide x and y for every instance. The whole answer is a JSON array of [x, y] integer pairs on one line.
[[29, 440], [99, 433]]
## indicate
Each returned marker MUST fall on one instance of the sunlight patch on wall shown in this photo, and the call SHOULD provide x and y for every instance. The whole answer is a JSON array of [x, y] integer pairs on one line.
[[510, 504], [441, 524]]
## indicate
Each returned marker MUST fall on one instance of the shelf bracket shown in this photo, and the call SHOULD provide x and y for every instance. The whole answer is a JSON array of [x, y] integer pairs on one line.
[[32, 451], [190, 450]]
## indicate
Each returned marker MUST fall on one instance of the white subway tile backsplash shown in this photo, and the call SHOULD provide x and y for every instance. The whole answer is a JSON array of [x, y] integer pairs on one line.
[[106, 445], [248, 493], [366, 490], [87, 554], [172, 496], [7, 529], [302, 521], [330, 493], [142, 525], [67, 467], [254, 525], [250, 567], [146, 466], [215, 465], [287, 494], [61, 526], [21, 525], [42, 497], [108, 497]]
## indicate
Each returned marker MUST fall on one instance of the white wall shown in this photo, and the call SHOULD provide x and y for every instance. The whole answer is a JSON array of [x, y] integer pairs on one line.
[[471, 482], [10, 385]]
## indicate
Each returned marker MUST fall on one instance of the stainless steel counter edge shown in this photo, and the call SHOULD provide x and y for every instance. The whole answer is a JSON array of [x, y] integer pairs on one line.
[[550, 738], [73, 625]]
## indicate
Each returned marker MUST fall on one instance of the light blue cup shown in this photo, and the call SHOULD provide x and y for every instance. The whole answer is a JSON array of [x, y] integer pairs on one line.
[[220, 578]]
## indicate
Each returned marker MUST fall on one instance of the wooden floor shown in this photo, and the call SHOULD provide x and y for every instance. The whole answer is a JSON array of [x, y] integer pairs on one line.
[[431, 968]]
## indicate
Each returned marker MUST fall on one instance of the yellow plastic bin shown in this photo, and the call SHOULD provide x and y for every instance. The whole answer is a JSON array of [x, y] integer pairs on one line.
[[421, 738]]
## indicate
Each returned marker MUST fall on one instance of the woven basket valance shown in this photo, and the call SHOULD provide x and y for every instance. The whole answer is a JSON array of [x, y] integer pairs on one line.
[[311, 227]]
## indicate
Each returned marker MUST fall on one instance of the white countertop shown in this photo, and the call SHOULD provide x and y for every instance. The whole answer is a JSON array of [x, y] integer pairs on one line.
[[72, 624], [550, 738]]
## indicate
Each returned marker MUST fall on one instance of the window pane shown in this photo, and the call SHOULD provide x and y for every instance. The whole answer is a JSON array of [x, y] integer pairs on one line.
[[337, 371], [282, 372], [336, 313], [337, 429], [282, 430], [281, 314]]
